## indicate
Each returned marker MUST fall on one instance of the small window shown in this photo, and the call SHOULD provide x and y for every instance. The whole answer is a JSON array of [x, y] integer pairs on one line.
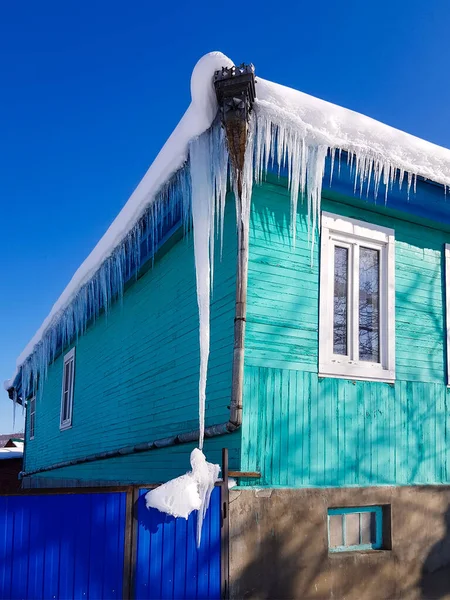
[[32, 417], [67, 389], [355, 528], [357, 300]]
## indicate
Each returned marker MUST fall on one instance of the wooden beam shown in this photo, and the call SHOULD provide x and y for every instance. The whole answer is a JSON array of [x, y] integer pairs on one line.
[[249, 474]]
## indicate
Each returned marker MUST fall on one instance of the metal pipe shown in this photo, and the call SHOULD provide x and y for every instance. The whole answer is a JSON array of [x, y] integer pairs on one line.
[[237, 385], [183, 438]]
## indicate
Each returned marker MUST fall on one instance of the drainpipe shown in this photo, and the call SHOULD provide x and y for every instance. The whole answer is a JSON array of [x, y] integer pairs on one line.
[[235, 91]]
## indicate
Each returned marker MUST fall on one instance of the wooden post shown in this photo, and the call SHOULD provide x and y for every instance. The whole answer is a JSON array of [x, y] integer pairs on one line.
[[225, 535]]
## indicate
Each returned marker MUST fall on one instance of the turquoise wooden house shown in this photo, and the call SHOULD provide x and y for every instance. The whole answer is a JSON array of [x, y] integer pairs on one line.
[[313, 243]]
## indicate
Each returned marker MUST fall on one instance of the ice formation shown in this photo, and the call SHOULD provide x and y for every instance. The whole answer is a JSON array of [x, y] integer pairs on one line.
[[188, 180], [208, 168], [192, 491]]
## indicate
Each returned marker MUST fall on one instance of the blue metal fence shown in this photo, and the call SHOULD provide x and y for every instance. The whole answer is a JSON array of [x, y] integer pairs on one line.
[[79, 545], [168, 563], [62, 546]]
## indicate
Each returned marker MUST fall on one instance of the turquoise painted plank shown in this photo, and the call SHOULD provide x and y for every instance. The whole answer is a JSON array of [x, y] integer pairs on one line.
[[343, 433]]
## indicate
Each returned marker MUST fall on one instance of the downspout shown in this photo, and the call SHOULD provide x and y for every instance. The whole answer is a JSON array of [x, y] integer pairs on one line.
[[235, 91]]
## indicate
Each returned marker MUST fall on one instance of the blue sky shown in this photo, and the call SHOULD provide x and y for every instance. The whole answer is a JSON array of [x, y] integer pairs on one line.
[[90, 92]]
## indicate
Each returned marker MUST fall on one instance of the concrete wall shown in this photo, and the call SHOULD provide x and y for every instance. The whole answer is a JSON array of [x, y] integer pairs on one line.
[[301, 430], [279, 546], [136, 375]]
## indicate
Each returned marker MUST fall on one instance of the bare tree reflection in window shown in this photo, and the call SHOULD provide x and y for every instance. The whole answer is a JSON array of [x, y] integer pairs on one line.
[[369, 304], [340, 300]]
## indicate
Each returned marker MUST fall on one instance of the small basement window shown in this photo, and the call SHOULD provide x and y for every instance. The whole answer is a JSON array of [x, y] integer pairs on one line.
[[356, 528], [32, 417], [67, 390]]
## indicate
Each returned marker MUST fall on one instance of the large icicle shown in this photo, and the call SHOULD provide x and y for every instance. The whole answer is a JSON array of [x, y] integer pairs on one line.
[[203, 206], [208, 167]]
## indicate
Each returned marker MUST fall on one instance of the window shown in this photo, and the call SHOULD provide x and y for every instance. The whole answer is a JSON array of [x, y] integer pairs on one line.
[[357, 300], [32, 416], [355, 528], [67, 390]]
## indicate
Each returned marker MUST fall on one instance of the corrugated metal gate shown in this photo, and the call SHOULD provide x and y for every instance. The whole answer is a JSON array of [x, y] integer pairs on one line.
[[104, 543], [168, 563]]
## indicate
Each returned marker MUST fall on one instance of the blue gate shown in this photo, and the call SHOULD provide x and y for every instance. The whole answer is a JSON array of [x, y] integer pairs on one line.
[[62, 546], [168, 563], [92, 545]]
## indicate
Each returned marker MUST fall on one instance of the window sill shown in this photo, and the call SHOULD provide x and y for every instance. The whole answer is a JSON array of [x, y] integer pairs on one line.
[[388, 377], [64, 427], [352, 553]]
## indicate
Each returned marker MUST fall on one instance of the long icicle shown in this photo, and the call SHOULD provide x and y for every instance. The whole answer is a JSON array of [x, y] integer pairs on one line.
[[202, 218]]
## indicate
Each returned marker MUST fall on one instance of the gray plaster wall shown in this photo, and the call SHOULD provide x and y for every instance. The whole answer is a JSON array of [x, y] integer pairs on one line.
[[279, 545]]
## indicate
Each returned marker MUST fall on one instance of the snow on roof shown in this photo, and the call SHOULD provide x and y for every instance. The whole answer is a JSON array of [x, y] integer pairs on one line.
[[9, 453], [345, 129], [380, 148]]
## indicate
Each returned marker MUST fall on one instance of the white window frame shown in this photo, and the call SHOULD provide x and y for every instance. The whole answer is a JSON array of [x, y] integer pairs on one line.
[[67, 423], [447, 306], [32, 417], [343, 231]]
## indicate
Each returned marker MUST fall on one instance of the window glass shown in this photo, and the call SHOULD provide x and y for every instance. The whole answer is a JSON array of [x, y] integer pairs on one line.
[[367, 527], [336, 531], [32, 416], [352, 529], [67, 389], [340, 300], [369, 302]]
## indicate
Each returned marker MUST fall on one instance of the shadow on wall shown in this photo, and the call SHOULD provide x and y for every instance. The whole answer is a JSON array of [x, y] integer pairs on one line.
[[435, 581], [276, 569], [279, 548]]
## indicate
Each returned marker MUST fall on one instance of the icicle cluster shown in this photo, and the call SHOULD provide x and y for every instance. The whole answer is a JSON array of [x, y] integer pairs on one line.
[[287, 143], [167, 211]]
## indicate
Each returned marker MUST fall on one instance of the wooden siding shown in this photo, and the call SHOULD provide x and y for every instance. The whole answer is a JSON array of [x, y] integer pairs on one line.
[[300, 430], [136, 374], [155, 466]]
